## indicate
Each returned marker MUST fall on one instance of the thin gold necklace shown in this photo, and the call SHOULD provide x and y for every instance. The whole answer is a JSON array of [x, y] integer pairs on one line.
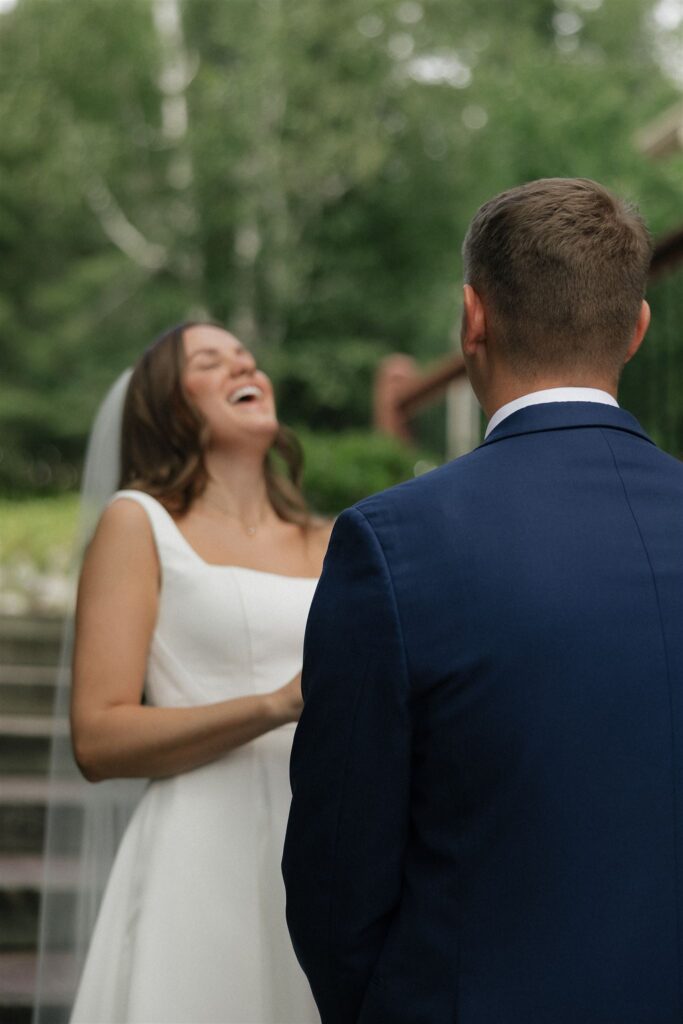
[[249, 530]]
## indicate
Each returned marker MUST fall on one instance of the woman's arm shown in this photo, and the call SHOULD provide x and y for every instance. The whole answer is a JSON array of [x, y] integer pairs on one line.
[[113, 734]]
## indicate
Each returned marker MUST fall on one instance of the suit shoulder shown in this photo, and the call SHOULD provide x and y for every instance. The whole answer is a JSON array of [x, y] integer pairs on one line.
[[667, 467], [669, 463], [412, 495]]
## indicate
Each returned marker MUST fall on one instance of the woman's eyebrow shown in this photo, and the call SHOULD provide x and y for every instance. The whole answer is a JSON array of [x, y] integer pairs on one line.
[[237, 351]]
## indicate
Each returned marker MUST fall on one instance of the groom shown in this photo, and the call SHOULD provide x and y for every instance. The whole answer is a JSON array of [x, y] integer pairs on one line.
[[487, 818]]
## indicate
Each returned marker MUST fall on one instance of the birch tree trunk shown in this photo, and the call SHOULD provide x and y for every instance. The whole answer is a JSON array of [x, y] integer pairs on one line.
[[175, 75]]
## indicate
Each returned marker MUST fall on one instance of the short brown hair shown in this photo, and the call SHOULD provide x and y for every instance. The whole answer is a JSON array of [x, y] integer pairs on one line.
[[163, 438], [562, 264]]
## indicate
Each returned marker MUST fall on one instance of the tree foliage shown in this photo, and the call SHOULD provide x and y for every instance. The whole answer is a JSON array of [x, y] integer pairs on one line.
[[302, 171]]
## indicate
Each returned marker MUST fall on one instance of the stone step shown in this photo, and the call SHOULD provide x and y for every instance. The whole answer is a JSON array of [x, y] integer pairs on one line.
[[30, 640], [25, 743], [29, 653], [27, 689], [19, 873], [41, 675], [18, 977], [24, 1015], [23, 809], [18, 981], [21, 881]]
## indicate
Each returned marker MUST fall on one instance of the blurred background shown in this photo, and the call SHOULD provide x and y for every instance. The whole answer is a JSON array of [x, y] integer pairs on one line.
[[302, 171]]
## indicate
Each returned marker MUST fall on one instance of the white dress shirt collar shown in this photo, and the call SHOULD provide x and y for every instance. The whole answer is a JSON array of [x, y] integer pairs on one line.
[[549, 395]]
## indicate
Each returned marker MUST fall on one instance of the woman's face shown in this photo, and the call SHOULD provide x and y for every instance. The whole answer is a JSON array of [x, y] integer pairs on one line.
[[221, 380]]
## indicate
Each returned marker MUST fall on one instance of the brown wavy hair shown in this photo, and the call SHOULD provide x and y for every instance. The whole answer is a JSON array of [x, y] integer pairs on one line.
[[163, 438]]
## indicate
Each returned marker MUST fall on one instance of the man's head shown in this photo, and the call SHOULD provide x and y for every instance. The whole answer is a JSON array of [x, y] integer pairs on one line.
[[558, 267]]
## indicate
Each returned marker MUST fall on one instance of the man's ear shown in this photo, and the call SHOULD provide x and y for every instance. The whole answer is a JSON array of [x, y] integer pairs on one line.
[[473, 332], [639, 333]]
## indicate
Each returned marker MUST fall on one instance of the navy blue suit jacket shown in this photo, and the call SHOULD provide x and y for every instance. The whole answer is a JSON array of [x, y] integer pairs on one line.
[[487, 817]]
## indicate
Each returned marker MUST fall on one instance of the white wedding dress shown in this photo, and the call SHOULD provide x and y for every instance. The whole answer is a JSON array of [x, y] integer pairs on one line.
[[192, 925]]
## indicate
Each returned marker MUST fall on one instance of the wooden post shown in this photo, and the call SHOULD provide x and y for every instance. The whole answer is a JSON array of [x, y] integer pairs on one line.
[[401, 390], [396, 376]]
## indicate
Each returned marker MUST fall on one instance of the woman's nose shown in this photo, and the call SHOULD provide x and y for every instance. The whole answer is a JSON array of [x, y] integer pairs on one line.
[[244, 363]]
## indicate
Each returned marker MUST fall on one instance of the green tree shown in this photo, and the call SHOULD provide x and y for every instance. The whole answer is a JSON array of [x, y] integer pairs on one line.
[[302, 171]]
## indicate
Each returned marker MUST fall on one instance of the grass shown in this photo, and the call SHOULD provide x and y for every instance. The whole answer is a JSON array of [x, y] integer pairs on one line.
[[39, 531]]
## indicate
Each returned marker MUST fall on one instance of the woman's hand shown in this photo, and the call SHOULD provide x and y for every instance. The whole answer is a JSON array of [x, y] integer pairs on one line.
[[287, 701]]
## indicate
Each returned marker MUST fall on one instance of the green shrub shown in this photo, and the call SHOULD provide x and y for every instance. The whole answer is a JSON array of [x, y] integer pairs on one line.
[[343, 468], [41, 531]]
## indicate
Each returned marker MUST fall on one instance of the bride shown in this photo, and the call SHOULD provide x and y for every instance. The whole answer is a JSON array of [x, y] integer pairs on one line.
[[189, 629]]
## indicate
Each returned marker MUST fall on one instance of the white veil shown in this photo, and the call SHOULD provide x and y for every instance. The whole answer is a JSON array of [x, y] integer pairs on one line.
[[84, 822]]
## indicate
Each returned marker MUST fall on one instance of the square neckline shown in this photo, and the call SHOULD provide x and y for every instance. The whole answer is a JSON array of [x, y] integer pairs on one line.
[[219, 565]]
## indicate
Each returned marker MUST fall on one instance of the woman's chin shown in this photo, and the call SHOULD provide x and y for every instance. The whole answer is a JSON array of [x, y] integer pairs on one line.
[[258, 434]]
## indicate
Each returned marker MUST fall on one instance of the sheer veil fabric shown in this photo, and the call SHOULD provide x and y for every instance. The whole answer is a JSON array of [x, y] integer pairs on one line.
[[85, 822]]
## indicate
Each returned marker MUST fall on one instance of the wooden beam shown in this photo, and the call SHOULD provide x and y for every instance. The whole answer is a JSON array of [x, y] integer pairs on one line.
[[432, 385], [662, 137]]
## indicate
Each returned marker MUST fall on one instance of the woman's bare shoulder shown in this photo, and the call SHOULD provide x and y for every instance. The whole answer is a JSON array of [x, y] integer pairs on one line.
[[123, 514], [123, 530]]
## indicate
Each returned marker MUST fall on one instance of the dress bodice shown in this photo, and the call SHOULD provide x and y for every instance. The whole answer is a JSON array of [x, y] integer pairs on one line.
[[222, 631]]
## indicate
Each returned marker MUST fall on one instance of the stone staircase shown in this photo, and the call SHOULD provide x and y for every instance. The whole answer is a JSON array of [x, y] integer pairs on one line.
[[29, 653]]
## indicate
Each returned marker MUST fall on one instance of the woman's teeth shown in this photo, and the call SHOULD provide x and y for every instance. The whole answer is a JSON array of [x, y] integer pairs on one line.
[[246, 393]]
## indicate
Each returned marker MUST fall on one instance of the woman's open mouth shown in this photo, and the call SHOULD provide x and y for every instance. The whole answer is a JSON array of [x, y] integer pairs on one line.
[[247, 394]]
